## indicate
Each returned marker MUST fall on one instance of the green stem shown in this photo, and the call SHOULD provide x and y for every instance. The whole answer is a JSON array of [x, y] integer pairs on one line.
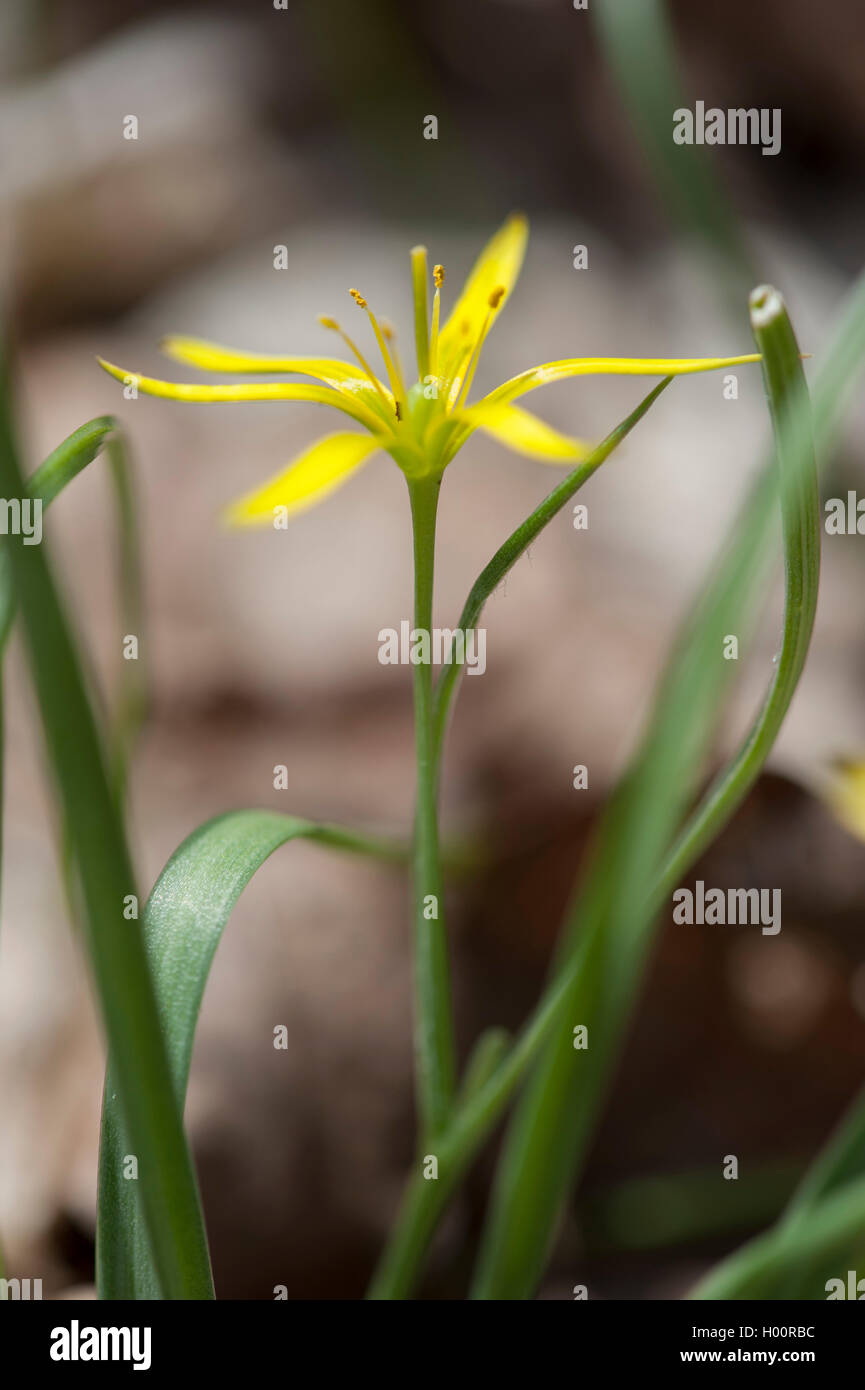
[[484, 1096], [434, 1033], [470, 1124]]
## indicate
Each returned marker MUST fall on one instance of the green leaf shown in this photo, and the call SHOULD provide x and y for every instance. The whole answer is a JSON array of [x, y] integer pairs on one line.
[[489, 1050], [183, 922], [518, 543], [759, 1269], [838, 1169], [96, 835], [58, 469], [841, 1161], [611, 927], [800, 507], [61, 466]]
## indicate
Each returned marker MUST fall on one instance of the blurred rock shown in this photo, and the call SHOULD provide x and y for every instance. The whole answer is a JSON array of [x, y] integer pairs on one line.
[[97, 216]]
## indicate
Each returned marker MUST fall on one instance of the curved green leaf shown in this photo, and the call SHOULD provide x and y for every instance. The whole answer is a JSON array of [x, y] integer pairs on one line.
[[759, 1269], [836, 1173], [63, 464], [183, 922], [518, 543]]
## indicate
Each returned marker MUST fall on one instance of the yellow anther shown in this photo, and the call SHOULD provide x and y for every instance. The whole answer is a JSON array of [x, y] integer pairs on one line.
[[327, 322], [358, 298], [497, 296], [388, 330], [438, 276]]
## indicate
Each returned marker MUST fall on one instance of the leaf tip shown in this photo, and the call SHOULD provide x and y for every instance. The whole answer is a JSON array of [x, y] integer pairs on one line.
[[765, 305]]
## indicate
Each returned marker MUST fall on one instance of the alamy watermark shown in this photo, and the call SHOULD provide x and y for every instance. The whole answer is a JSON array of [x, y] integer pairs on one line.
[[22, 516], [845, 517], [77, 1343], [736, 906], [740, 125], [20, 1290], [416, 646], [853, 1288]]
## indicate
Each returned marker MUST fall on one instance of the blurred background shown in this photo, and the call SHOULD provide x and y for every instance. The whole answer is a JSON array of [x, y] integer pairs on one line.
[[303, 127]]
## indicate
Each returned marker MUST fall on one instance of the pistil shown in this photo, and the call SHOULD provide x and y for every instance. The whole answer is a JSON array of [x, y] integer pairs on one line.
[[421, 310]]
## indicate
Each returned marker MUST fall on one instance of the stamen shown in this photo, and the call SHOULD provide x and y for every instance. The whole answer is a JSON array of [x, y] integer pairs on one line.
[[327, 322], [434, 329], [494, 301], [439, 279], [389, 334], [393, 375]]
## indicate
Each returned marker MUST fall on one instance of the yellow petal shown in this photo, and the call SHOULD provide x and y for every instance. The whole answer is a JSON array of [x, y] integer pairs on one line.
[[609, 366], [212, 357], [259, 391], [846, 797], [520, 430], [498, 266], [306, 481]]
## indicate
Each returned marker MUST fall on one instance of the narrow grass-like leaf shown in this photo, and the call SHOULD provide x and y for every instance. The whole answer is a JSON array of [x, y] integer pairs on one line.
[[489, 1050], [610, 927], [838, 1168], [843, 1158], [841, 1161], [61, 466], [760, 1268], [800, 505], [183, 922], [58, 469], [114, 945], [518, 543]]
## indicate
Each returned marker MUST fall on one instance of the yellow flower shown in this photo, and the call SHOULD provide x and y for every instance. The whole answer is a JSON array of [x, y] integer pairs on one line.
[[421, 426], [846, 795]]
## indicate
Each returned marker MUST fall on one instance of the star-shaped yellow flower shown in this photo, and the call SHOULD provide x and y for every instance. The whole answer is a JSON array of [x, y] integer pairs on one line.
[[421, 426]]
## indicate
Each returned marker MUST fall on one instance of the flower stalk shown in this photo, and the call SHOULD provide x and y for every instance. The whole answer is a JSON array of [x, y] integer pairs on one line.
[[434, 1034]]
